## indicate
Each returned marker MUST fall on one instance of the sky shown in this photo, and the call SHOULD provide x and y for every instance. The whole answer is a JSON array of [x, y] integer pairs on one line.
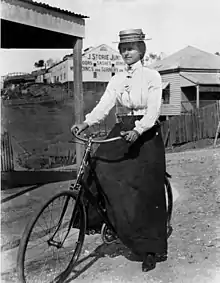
[[172, 25]]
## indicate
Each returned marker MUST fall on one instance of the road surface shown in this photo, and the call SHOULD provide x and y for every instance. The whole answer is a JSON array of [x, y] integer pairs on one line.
[[194, 246]]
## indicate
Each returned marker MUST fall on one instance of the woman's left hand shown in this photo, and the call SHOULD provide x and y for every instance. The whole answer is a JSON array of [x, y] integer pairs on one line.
[[130, 136]]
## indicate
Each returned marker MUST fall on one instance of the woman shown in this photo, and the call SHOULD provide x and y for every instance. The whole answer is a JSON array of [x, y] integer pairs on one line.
[[131, 171]]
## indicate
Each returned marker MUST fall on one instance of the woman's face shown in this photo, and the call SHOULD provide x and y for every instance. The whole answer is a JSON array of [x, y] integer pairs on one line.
[[130, 52]]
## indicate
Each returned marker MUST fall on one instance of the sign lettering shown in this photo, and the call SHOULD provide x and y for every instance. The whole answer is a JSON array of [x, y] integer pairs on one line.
[[97, 62]]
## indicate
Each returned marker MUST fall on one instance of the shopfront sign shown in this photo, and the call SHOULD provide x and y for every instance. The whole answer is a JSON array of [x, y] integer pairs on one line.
[[99, 61]]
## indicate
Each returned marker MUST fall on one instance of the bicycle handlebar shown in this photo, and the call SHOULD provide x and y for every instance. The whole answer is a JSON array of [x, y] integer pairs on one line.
[[94, 140]]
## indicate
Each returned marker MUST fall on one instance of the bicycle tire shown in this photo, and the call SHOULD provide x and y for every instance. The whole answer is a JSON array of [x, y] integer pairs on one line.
[[169, 195], [73, 222], [169, 205]]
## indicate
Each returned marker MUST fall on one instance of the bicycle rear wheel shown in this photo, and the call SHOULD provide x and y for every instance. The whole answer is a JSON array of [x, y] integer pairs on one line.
[[52, 241], [169, 198]]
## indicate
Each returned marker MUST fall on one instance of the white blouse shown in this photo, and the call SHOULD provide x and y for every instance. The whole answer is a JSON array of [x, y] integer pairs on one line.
[[137, 88]]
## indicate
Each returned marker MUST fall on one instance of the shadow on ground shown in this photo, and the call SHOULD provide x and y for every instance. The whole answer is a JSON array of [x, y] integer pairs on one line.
[[105, 250], [15, 179]]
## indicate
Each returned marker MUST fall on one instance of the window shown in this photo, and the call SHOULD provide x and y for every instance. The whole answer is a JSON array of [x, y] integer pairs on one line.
[[113, 70], [166, 95], [103, 48], [95, 75]]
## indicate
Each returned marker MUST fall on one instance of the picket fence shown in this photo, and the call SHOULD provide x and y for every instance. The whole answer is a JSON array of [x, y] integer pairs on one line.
[[7, 162], [195, 125]]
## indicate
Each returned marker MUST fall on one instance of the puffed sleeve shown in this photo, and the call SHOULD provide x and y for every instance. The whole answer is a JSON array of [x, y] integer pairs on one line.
[[106, 103], [154, 99]]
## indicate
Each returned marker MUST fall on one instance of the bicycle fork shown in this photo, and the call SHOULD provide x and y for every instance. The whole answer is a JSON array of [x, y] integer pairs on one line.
[[59, 244]]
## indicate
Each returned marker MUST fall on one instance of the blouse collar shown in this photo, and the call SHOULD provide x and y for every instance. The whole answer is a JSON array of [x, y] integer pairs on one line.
[[134, 66]]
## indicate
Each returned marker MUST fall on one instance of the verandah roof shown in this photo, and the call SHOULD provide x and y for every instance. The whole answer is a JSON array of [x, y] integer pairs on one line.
[[197, 78], [27, 24]]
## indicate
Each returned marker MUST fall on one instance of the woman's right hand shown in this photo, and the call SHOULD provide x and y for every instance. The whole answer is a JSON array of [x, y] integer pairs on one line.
[[79, 128]]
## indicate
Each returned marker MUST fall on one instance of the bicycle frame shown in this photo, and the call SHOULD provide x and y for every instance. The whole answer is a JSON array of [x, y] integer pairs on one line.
[[86, 168], [84, 193], [83, 190]]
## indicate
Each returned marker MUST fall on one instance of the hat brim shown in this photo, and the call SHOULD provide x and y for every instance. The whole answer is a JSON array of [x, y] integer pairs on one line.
[[130, 40]]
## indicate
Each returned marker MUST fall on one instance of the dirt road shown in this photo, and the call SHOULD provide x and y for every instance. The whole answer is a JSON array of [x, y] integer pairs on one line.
[[194, 246]]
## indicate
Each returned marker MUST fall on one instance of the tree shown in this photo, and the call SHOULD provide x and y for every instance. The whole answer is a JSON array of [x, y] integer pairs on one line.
[[40, 64], [217, 53], [51, 62], [152, 57]]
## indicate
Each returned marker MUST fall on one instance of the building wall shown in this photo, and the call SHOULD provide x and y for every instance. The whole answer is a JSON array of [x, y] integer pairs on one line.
[[174, 106], [98, 64], [58, 73], [40, 79], [69, 70], [101, 63]]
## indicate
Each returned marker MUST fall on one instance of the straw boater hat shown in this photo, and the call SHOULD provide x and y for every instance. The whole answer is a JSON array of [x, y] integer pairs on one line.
[[131, 35]]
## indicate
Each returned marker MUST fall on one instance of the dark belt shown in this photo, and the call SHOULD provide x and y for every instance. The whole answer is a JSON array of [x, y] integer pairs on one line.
[[152, 132]]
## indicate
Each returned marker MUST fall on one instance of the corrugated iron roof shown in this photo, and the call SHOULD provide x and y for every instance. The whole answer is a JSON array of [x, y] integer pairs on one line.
[[43, 5], [202, 78], [188, 58]]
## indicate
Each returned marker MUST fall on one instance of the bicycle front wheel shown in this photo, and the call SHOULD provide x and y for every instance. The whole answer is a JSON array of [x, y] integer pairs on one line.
[[52, 241]]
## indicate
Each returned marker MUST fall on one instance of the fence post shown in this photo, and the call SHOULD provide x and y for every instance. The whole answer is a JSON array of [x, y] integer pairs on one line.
[[218, 127], [217, 133], [197, 97]]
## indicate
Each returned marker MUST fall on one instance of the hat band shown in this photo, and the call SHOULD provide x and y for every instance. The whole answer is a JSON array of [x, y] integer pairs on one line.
[[131, 37]]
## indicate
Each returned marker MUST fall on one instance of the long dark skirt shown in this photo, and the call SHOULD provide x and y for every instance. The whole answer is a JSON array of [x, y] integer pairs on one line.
[[132, 180]]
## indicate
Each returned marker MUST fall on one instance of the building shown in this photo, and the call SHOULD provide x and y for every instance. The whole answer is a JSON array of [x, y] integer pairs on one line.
[[98, 65], [13, 79], [191, 79], [39, 75]]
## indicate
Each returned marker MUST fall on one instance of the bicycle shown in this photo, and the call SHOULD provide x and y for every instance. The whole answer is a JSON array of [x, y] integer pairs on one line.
[[70, 223]]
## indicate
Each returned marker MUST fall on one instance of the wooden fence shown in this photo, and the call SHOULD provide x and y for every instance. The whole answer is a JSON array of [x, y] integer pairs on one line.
[[195, 125], [7, 162]]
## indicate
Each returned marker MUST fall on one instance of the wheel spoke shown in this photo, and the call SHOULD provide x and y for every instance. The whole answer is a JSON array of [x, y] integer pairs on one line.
[[44, 261]]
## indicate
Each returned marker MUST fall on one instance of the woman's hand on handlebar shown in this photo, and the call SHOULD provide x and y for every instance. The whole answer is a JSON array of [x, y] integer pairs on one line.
[[79, 128], [130, 136]]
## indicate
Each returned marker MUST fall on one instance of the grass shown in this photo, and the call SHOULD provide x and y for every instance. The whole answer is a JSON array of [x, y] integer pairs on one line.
[[42, 131]]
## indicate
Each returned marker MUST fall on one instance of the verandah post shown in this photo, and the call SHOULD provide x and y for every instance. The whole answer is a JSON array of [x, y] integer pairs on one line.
[[78, 92]]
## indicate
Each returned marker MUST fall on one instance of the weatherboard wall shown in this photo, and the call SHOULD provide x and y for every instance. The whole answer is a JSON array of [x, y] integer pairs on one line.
[[174, 106]]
